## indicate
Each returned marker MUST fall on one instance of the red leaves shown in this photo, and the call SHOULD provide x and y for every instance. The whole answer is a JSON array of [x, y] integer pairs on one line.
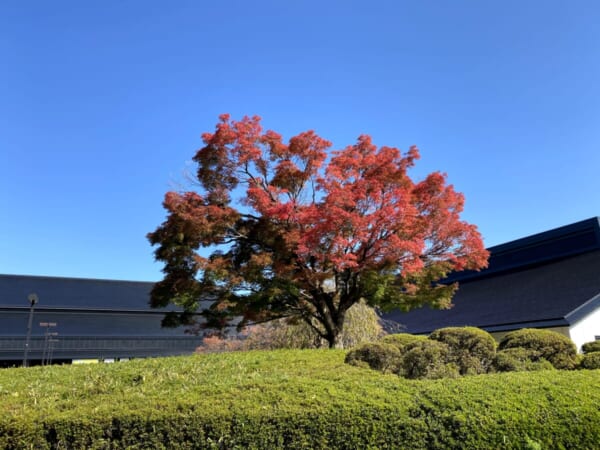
[[366, 209], [301, 225], [196, 220], [368, 215]]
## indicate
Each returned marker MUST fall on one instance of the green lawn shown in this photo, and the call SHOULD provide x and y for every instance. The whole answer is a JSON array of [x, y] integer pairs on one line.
[[290, 399]]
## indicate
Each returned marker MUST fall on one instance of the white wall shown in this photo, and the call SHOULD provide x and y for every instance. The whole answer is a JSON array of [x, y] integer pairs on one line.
[[586, 329]]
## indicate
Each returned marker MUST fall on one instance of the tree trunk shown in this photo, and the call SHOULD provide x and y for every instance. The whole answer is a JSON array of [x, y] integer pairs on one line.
[[337, 342], [334, 338]]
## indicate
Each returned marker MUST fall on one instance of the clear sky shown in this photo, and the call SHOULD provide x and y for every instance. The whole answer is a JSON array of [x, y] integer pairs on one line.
[[102, 105]]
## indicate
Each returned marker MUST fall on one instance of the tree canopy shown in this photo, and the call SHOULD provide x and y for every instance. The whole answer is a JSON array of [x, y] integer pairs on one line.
[[296, 231]]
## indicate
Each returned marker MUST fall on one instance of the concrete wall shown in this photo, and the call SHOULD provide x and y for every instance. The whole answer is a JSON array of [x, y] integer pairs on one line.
[[586, 329]]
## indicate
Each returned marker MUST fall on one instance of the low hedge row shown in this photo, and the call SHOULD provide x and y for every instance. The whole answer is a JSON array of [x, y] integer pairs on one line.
[[554, 347], [591, 347], [454, 351], [293, 400]]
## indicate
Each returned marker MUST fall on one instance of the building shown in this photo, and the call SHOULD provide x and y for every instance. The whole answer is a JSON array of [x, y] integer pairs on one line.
[[549, 280], [80, 319]]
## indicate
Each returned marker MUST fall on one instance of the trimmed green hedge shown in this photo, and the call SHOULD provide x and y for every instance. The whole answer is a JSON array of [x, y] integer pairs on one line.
[[376, 355], [591, 347], [519, 359], [427, 359], [554, 347], [293, 400], [471, 349], [401, 340], [590, 361]]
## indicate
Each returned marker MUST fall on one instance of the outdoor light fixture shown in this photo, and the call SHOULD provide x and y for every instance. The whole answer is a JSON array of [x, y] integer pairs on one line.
[[33, 299], [48, 340]]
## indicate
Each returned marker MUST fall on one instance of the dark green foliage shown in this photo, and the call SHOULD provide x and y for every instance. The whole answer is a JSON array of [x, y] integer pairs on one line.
[[376, 355], [401, 340], [552, 346], [471, 349], [291, 400], [519, 360], [590, 361], [427, 359], [591, 347]]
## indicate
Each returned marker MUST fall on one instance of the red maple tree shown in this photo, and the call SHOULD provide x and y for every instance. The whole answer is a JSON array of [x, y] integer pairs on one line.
[[294, 234]]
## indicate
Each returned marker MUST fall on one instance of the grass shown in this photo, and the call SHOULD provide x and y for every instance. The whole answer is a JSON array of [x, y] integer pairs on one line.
[[235, 379], [218, 389]]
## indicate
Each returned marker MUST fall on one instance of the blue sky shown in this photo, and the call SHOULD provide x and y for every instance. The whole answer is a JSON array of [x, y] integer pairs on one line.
[[103, 103]]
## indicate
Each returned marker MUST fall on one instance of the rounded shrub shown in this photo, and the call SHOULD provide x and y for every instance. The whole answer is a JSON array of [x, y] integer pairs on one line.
[[376, 355], [590, 361], [519, 360], [401, 340], [549, 345], [471, 349], [427, 359], [591, 347]]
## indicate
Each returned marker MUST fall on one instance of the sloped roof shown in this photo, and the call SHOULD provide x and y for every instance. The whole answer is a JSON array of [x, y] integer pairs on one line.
[[548, 279], [79, 293]]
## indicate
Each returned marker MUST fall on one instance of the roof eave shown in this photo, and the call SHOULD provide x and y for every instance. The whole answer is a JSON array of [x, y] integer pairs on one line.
[[584, 310]]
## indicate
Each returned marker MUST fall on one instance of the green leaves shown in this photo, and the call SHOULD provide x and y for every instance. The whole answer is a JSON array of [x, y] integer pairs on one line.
[[293, 235], [391, 291]]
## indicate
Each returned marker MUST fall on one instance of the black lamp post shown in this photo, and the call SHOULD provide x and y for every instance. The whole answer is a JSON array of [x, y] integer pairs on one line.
[[33, 299]]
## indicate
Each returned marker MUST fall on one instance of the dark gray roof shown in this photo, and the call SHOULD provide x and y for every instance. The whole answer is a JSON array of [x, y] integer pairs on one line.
[[80, 293], [543, 280], [547, 279], [538, 295], [552, 245]]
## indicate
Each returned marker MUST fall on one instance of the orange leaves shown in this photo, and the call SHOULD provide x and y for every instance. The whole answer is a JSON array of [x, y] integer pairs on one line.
[[308, 147], [288, 175], [261, 259], [308, 233], [367, 202], [365, 161], [362, 212], [373, 216], [449, 238], [197, 220]]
